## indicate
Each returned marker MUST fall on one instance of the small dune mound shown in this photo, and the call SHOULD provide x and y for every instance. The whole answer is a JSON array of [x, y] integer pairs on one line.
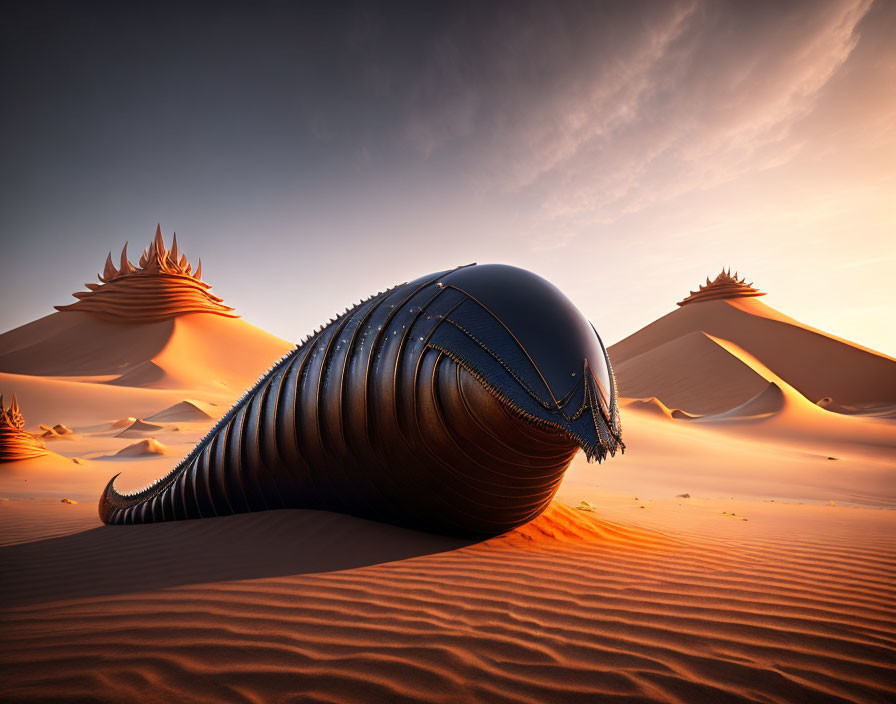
[[137, 428], [68, 501], [184, 411], [656, 407], [144, 448], [57, 431], [149, 375], [124, 422]]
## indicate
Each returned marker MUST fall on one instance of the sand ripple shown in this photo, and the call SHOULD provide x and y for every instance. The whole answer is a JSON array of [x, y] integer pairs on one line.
[[307, 606]]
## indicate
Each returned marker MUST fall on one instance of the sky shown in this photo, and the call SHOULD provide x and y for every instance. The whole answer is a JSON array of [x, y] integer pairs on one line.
[[313, 154]]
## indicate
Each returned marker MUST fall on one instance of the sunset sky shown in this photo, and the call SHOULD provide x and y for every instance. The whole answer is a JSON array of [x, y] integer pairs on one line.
[[315, 153]]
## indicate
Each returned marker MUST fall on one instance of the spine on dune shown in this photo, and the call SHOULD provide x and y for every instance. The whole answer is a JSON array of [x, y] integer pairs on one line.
[[15, 442], [453, 403]]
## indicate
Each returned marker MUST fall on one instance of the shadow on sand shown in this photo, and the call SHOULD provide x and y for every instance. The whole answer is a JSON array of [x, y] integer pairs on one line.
[[114, 560]]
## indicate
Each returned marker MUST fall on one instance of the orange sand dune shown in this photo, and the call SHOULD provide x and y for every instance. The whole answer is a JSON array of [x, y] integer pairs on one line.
[[670, 360], [307, 606], [692, 372], [197, 351], [76, 403], [766, 403], [138, 428], [149, 446], [654, 405], [187, 411], [795, 416], [57, 431]]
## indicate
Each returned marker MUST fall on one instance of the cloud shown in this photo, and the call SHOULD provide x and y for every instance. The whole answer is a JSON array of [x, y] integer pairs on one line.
[[592, 116]]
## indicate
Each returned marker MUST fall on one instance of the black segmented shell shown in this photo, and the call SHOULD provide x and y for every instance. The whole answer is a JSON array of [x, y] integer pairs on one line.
[[453, 403]]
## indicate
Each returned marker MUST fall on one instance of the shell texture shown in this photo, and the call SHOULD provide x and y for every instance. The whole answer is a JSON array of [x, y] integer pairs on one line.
[[453, 403]]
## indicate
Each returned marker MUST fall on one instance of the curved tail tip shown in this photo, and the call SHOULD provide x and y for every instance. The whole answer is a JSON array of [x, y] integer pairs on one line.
[[105, 507]]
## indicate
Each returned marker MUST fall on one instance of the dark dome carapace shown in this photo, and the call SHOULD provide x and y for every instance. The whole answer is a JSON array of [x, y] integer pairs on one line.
[[438, 404], [555, 335]]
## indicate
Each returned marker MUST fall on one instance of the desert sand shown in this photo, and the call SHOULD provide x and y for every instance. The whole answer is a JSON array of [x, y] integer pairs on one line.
[[743, 549], [696, 606]]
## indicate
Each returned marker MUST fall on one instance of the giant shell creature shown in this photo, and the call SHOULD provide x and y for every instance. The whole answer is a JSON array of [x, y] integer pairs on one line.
[[453, 403]]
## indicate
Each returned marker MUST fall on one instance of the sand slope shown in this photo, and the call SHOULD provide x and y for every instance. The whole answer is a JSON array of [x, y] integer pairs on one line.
[[138, 429], [669, 371], [188, 410], [292, 605], [150, 446], [197, 351], [672, 360]]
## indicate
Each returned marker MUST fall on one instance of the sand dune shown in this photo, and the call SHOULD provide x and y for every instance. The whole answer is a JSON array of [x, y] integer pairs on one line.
[[57, 431], [671, 360], [655, 406], [670, 372], [44, 399], [150, 446], [321, 607], [794, 415], [785, 414], [765, 404], [196, 351], [215, 359], [185, 411], [138, 428], [78, 344]]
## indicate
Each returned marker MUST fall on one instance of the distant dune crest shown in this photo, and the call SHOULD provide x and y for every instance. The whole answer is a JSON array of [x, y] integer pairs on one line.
[[163, 285], [723, 286]]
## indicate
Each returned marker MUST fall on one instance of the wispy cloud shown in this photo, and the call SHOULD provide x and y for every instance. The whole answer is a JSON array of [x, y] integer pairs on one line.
[[596, 120]]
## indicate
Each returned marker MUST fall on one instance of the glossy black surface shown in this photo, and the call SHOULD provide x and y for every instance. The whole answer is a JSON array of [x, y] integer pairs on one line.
[[431, 405], [554, 333]]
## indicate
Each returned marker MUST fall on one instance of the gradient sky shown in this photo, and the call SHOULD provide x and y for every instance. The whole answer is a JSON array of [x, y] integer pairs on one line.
[[315, 153]]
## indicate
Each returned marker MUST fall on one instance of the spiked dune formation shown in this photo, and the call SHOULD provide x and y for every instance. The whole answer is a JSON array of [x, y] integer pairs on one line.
[[15, 443], [703, 357], [163, 285], [723, 286]]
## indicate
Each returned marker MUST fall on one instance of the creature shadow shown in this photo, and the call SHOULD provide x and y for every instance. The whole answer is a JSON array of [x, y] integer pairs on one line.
[[112, 560]]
